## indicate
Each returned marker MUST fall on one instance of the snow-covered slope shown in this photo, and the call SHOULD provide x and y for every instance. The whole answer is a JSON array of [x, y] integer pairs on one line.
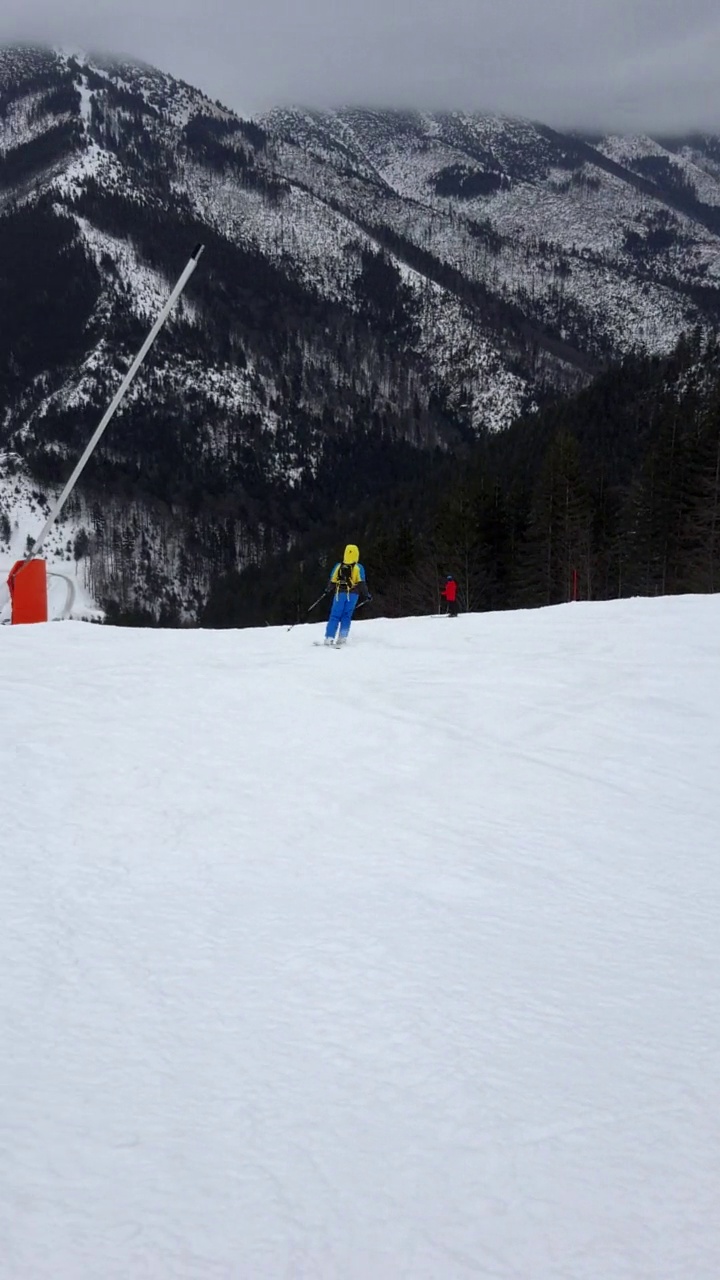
[[565, 230], [397, 961]]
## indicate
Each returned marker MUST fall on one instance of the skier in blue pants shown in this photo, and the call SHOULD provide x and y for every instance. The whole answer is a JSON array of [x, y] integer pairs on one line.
[[347, 583]]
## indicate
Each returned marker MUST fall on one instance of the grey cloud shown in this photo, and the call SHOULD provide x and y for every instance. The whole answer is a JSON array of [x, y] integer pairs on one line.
[[633, 65]]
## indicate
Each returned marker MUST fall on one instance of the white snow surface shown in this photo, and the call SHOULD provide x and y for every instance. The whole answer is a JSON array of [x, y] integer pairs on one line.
[[399, 961]]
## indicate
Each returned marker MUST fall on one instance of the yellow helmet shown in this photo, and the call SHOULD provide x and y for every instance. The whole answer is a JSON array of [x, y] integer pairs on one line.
[[351, 555]]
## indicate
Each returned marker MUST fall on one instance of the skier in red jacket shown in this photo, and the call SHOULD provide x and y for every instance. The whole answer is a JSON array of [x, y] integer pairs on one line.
[[449, 593]]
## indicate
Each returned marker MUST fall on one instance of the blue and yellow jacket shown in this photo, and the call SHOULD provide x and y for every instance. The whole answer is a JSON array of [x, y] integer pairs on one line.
[[355, 583]]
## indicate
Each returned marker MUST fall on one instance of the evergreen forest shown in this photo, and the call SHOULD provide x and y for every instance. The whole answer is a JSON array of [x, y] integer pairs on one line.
[[610, 493]]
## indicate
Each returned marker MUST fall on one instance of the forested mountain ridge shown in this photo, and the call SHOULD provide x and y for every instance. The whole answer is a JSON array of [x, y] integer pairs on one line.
[[376, 286], [613, 492]]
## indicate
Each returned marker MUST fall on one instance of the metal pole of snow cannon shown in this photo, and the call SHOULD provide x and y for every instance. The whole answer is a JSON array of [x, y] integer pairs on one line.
[[117, 398]]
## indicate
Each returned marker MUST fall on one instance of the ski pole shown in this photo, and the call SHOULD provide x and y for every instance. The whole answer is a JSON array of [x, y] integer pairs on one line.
[[312, 606]]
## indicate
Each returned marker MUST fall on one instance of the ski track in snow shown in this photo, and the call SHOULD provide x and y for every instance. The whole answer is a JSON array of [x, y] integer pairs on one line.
[[402, 963]]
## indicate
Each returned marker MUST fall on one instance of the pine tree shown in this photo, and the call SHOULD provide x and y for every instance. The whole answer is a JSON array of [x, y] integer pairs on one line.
[[701, 540], [559, 541], [458, 545], [654, 520]]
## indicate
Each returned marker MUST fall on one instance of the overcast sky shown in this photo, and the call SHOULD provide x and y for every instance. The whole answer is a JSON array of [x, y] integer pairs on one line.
[[626, 64]]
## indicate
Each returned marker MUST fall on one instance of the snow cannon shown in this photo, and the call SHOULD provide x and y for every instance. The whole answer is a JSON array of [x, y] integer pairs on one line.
[[27, 583]]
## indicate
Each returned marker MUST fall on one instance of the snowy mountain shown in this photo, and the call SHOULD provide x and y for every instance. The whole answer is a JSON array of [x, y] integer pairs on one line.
[[471, 1028], [369, 277]]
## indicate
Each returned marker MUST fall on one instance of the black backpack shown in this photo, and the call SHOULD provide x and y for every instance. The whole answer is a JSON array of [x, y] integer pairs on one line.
[[344, 576]]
